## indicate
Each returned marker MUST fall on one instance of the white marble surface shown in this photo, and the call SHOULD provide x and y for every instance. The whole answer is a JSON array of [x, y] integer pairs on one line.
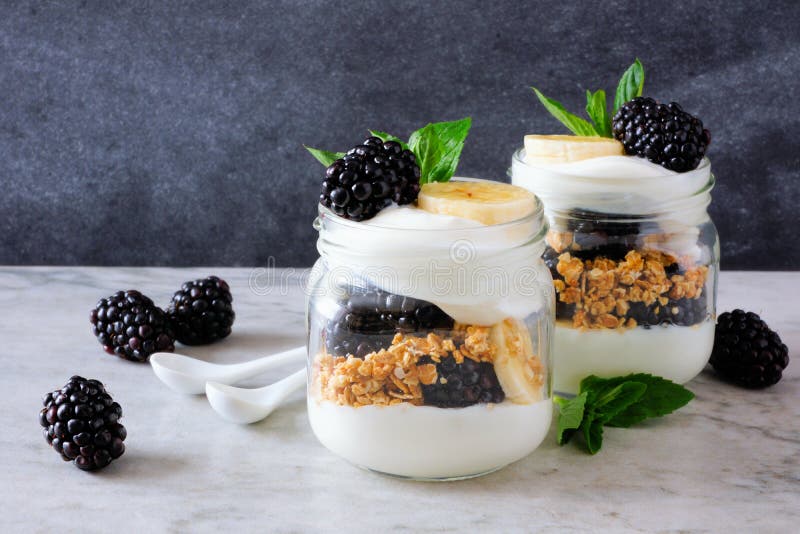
[[730, 461]]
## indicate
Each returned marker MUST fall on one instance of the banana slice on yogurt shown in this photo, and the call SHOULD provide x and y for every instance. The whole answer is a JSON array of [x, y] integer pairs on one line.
[[485, 202], [549, 149]]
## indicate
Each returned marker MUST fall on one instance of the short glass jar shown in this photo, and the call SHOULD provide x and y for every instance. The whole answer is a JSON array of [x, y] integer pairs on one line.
[[634, 256], [429, 349]]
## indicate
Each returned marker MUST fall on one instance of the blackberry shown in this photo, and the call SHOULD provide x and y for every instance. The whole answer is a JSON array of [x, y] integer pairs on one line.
[[369, 318], [368, 178], [201, 311], [678, 312], [461, 385], [746, 352], [80, 422], [129, 325], [662, 133]]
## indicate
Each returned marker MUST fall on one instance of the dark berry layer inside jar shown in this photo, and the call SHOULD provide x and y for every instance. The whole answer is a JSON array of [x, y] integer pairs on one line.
[[368, 320], [614, 271], [463, 384]]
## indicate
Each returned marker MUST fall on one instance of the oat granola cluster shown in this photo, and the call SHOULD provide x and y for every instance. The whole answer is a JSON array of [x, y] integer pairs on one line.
[[604, 291], [398, 373]]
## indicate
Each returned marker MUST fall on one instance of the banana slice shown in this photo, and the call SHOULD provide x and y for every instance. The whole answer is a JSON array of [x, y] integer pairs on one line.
[[518, 369], [550, 149], [485, 202]]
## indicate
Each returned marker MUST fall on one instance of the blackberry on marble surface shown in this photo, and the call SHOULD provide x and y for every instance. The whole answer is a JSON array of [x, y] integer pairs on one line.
[[81, 423], [747, 352], [368, 319], [662, 133], [130, 326], [201, 311], [368, 178], [461, 385]]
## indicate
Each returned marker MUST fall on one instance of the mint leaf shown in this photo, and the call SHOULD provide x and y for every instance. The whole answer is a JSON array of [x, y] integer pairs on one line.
[[613, 401], [389, 137], [597, 111], [570, 415], [324, 156], [630, 85], [438, 147], [662, 397], [575, 124], [593, 434]]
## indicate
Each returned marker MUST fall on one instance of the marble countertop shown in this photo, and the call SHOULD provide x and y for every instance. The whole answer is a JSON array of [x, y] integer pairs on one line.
[[728, 461]]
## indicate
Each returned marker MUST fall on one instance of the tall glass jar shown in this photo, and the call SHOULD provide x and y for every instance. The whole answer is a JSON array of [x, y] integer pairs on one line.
[[634, 256], [429, 350]]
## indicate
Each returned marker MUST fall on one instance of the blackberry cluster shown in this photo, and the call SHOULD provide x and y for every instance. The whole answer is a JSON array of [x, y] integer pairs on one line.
[[80, 422], [662, 133], [129, 325], [461, 385], [678, 312], [746, 352], [369, 318], [201, 311], [368, 178]]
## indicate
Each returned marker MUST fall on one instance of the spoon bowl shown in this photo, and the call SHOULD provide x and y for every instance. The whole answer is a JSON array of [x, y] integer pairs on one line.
[[189, 375], [245, 406]]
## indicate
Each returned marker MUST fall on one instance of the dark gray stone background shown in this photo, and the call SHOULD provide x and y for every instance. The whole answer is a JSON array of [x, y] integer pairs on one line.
[[170, 133]]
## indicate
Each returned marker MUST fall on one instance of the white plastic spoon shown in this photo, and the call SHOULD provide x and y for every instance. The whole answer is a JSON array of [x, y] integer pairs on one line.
[[244, 406], [189, 375]]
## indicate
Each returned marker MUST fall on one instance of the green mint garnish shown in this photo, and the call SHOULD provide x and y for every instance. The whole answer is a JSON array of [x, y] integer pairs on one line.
[[569, 417], [630, 86], [575, 124], [324, 156], [437, 147], [618, 402], [597, 111]]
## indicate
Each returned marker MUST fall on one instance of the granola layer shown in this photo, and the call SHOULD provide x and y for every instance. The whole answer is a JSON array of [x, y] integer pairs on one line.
[[396, 374], [602, 291]]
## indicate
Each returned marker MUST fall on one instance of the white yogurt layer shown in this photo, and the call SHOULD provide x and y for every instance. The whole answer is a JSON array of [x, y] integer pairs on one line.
[[611, 184], [413, 218], [477, 274], [678, 353], [428, 442]]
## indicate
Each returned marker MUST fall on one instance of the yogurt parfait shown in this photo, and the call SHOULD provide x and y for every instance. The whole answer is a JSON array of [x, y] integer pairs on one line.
[[430, 318], [631, 247]]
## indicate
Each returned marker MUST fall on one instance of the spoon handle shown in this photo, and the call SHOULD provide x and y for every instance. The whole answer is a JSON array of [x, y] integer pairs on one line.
[[285, 387], [249, 369]]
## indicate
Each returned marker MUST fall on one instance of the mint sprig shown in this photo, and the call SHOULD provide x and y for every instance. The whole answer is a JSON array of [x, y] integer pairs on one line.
[[437, 147], [617, 402], [630, 86], [575, 124], [324, 156], [597, 111]]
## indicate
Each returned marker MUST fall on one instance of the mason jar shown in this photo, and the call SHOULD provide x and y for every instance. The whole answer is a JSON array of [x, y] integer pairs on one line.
[[634, 257], [429, 349]]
